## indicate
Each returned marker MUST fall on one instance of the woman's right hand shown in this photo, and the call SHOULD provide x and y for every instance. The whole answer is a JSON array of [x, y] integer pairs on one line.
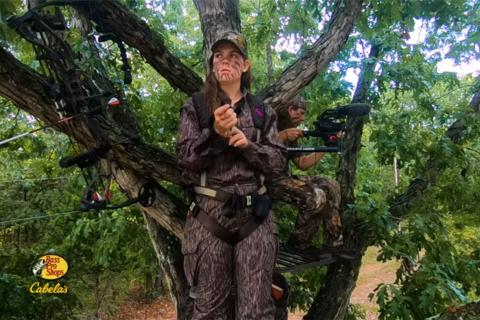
[[225, 120]]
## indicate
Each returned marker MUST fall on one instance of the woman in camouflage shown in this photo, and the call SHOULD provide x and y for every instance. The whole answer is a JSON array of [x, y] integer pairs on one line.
[[229, 237]]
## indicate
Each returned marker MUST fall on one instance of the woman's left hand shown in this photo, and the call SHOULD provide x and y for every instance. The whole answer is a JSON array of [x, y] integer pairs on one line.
[[238, 139]]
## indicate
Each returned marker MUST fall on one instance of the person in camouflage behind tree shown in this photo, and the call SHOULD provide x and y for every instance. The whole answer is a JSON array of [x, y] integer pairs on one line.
[[229, 236], [317, 198]]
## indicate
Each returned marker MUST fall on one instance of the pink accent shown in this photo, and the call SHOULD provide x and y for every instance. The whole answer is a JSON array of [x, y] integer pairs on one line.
[[259, 112]]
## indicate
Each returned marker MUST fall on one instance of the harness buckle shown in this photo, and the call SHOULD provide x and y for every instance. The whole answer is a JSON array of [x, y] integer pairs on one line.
[[249, 201], [193, 208]]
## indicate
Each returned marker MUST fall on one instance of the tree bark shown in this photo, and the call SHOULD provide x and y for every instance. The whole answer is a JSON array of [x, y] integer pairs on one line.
[[167, 248], [216, 18]]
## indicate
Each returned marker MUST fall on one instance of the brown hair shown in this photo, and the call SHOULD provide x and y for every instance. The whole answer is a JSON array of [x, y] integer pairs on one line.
[[215, 95]]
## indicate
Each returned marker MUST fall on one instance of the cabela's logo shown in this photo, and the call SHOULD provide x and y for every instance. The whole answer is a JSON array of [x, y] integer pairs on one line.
[[50, 267], [37, 287]]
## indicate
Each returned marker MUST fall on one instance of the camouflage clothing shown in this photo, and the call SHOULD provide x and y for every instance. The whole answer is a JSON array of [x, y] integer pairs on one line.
[[317, 198], [212, 265]]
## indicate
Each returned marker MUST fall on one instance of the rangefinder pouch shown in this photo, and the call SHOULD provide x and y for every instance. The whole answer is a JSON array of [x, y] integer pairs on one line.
[[262, 206]]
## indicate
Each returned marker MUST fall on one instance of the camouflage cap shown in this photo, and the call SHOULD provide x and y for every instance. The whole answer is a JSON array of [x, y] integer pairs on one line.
[[235, 38], [298, 102]]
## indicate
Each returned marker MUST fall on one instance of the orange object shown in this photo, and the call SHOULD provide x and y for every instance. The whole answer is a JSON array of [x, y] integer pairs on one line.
[[277, 292]]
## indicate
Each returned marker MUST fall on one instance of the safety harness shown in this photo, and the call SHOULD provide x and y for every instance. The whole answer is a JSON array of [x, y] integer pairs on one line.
[[259, 201]]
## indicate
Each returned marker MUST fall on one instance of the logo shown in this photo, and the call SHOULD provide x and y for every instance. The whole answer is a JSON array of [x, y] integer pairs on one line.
[[50, 267], [37, 287], [259, 111]]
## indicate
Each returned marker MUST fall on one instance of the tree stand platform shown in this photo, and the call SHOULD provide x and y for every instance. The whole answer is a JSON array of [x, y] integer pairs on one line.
[[289, 261]]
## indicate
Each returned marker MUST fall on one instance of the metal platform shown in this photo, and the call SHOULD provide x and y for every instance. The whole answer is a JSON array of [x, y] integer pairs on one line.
[[289, 261]]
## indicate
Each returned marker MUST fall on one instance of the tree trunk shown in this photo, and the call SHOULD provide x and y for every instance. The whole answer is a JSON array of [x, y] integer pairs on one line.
[[217, 17], [170, 259], [333, 299]]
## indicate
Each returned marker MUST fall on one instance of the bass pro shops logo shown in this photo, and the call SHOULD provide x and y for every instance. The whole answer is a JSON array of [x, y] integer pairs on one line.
[[49, 267]]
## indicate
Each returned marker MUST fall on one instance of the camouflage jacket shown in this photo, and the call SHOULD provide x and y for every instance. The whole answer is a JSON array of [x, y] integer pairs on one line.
[[229, 168]]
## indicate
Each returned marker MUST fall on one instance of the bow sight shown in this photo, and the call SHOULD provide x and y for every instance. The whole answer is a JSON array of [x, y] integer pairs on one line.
[[329, 124]]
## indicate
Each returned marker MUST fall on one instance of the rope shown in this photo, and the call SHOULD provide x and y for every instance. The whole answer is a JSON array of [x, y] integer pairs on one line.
[[9, 222], [18, 136], [36, 179]]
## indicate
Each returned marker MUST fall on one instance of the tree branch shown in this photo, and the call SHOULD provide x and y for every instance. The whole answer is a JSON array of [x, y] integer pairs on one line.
[[347, 168], [399, 206], [316, 59], [28, 90], [112, 16]]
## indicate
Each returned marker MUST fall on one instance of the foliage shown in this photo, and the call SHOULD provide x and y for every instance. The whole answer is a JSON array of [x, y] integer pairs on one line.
[[18, 303], [413, 106], [7, 8], [436, 243], [355, 312], [106, 252]]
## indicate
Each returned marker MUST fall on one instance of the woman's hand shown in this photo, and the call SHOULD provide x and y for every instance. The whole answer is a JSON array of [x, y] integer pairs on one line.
[[225, 120], [238, 139], [290, 134]]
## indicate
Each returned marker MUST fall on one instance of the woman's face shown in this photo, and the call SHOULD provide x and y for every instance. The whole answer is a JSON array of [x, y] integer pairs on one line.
[[297, 115], [229, 64]]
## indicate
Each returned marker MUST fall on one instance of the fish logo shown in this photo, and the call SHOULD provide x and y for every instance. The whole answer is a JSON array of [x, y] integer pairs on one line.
[[38, 267]]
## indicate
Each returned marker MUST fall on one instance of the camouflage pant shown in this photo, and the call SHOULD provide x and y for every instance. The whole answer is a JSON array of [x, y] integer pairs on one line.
[[212, 265], [317, 198]]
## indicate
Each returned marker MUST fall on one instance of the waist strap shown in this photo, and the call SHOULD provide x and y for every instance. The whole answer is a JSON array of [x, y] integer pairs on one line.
[[224, 195]]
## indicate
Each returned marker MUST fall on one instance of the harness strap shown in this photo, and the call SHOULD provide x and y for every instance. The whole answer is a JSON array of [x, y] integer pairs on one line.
[[258, 117], [203, 178], [224, 234], [215, 228], [223, 195], [252, 224]]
